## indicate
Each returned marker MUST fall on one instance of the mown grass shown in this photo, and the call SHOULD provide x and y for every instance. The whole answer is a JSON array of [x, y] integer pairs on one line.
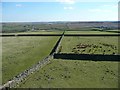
[[20, 53], [74, 74], [96, 45]]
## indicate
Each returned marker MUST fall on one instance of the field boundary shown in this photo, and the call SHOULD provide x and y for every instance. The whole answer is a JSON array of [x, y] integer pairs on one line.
[[12, 35], [92, 57], [15, 81], [55, 49], [92, 35]]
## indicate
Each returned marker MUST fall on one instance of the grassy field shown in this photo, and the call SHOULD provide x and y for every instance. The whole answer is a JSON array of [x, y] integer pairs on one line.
[[42, 32], [37, 32], [60, 32], [90, 45], [114, 30], [20, 53], [74, 74], [88, 32], [0, 60]]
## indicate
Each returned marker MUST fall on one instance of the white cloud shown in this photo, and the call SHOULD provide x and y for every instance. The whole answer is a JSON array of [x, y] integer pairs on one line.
[[67, 1], [58, 0], [18, 5], [112, 6], [104, 12], [100, 10], [68, 8], [105, 9]]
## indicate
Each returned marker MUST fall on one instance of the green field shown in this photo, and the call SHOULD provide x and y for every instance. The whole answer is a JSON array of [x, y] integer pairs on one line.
[[90, 45], [88, 32], [0, 60], [74, 74], [117, 31], [20, 53], [37, 32], [42, 32]]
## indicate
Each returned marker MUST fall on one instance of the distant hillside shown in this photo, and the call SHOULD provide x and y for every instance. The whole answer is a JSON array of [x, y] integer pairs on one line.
[[31, 26]]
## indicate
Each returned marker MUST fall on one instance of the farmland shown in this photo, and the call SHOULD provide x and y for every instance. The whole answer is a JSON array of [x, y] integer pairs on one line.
[[55, 26], [36, 32], [20, 53], [0, 60], [90, 45], [88, 32], [75, 74], [61, 73]]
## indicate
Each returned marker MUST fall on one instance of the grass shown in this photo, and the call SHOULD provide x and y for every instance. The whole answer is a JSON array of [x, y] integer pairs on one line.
[[42, 32], [92, 45], [113, 30], [0, 60], [60, 32], [87, 32], [37, 32], [74, 74], [20, 53]]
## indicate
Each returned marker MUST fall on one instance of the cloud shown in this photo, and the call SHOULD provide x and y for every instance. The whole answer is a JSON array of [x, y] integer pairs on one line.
[[18, 5], [67, 1], [100, 10], [104, 12], [104, 9], [68, 8], [112, 6]]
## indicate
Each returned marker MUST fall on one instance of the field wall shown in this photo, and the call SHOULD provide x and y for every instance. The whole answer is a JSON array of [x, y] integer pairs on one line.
[[55, 49], [93, 57], [92, 35], [15, 81]]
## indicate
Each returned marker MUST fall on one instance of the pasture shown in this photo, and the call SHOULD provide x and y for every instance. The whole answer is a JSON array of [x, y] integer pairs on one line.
[[42, 32], [74, 74], [0, 60], [36, 32], [89, 32], [20, 53], [90, 45]]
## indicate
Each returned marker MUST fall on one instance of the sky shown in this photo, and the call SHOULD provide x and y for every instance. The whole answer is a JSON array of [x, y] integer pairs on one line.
[[62, 10]]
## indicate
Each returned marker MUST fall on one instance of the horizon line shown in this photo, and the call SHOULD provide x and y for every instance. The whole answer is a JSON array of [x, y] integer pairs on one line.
[[53, 21]]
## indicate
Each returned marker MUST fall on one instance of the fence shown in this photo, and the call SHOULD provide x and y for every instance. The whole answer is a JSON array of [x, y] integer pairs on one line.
[[94, 57]]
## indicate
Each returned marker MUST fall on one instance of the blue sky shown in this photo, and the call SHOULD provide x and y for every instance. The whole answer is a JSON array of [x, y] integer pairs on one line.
[[68, 10]]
